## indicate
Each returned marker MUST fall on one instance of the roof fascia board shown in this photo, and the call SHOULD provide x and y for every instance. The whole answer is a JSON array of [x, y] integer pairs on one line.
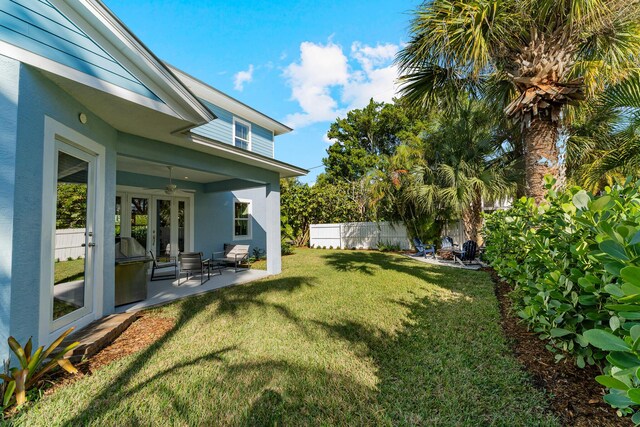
[[108, 31], [56, 68], [221, 99], [240, 154]]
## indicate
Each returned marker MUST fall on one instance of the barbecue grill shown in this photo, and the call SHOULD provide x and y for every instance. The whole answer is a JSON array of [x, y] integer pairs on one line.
[[131, 271]]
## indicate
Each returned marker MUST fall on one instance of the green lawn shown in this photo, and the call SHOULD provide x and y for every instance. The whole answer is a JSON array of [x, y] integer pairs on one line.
[[340, 338], [67, 271]]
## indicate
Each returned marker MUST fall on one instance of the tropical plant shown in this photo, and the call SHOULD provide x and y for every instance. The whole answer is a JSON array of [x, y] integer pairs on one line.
[[604, 138], [530, 57], [33, 367], [574, 262], [454, 168]]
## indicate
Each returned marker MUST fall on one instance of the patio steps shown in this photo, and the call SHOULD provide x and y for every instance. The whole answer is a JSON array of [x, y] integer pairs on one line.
[[99, 334]]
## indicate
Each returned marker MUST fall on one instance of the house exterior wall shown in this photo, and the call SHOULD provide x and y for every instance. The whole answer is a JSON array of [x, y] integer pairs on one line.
[[38, 98], [9, 94], [27, 97], [213, 212], [214, 220], [36, 26], [221, 130]]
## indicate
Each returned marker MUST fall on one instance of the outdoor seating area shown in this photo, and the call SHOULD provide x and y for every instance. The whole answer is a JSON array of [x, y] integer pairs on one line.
[[449, 254], [234, 255], [160, 292]]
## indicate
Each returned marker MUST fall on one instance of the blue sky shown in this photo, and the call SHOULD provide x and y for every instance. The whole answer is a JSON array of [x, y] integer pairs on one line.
[[301, 62]]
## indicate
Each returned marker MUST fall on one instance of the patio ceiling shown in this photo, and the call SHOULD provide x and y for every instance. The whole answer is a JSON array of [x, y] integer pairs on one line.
[[144, 167]]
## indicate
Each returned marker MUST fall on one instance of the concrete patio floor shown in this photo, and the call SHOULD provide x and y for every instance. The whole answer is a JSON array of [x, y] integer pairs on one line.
[[164, 291], [477, 265]]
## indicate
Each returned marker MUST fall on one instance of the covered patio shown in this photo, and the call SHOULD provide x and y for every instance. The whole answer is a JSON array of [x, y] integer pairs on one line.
[[163, 291]]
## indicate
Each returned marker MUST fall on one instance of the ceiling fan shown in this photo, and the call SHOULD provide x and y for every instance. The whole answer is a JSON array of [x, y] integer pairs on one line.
[[172, 188]]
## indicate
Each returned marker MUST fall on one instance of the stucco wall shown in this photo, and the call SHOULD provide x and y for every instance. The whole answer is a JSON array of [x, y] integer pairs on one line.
[[214, 220], [40, 97], [9, 83]]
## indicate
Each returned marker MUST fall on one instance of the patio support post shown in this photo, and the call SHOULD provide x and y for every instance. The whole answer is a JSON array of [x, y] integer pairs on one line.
[[9, 92], [274, 261]]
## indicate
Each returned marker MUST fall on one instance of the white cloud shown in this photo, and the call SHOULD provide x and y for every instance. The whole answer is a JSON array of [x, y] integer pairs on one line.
[[242, 77], [321, 67], [328, 140], [326, 83]]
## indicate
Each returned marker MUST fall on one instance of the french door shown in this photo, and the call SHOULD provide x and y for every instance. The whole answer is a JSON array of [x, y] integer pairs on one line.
[[73, 264], [159, 223]]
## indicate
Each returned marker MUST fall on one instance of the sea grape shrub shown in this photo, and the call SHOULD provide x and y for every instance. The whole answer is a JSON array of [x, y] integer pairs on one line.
[[572, 262]]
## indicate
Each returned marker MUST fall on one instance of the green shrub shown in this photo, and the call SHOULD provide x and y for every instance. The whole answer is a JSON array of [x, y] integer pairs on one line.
[[575, 266], [388, 247], [286, 248]]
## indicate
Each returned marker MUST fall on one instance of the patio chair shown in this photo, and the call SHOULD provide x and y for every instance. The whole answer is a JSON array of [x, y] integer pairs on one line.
[[192, 262], [468, 253], [422, 249], [232, 254], [161, 265], [446, 248]]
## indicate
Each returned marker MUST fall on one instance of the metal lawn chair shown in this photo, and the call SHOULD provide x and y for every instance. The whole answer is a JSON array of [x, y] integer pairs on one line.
[[157, 265], [192, 262]]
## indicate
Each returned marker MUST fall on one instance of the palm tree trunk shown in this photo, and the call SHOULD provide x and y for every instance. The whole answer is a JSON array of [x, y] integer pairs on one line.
[[472, 219], [541, 156]]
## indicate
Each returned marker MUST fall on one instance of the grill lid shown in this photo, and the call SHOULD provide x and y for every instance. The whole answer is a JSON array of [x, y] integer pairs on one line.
[[128, 247]]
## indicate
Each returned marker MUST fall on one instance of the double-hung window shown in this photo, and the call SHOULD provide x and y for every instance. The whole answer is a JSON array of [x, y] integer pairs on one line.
[[241, 134], [242, 219]]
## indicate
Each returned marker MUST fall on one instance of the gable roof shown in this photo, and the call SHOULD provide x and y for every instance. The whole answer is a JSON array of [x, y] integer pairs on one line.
[[208, 93], [108, 32]]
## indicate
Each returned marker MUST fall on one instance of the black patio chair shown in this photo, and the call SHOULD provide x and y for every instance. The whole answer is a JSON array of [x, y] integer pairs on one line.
[[192, 262], [157, 265], [467, 254]]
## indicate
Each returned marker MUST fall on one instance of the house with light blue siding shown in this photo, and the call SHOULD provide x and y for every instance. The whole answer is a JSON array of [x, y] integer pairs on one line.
[[103, 144]]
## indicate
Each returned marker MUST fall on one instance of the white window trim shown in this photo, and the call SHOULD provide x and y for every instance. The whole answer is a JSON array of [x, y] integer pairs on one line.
[[127, 192], [54, 131], [250, 134], [249, 221]]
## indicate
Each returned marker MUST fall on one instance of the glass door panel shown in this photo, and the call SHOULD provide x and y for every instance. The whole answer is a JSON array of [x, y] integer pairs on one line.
[[163, 228], [181, 224], [73, 234], [140, 220], [118, 216]]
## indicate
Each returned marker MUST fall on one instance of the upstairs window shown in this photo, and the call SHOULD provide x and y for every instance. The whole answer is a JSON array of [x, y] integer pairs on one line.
[[241, 219], [241, 134]]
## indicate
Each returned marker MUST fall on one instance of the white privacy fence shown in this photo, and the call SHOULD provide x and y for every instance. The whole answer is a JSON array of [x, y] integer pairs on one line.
[[455, 230], [69, 243], [360, 235], [367, 235]]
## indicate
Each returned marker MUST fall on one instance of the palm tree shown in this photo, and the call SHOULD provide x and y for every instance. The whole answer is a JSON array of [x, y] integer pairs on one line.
[[530, 57], [467, 167], [604, 145], [452, 170]]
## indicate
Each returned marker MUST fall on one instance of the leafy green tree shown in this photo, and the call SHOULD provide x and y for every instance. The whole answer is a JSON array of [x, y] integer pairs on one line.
[[365, 136], [530, 57], [71, 206], [303, 205]]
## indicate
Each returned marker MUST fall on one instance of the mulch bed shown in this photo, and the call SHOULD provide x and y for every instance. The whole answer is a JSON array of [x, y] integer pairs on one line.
[[141, 334], [574, 394]]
